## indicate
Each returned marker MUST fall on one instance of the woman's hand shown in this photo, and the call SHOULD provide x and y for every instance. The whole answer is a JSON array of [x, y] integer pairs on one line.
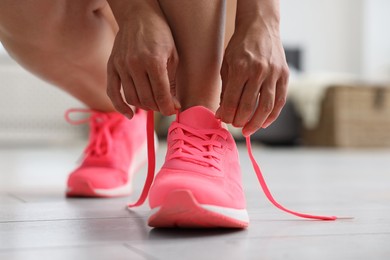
[[254, 72], [143, 59]]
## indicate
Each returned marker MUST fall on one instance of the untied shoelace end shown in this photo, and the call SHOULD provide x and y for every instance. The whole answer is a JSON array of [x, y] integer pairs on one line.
[[269, 196], [151, 161]]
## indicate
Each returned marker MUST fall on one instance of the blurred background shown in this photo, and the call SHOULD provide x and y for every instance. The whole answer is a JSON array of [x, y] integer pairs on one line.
[[339, 57]]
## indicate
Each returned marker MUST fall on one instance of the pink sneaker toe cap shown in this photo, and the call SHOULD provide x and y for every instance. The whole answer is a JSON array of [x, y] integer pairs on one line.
[[98, 177]]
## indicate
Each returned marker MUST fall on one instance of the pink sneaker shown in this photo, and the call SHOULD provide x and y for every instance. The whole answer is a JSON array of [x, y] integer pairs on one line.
[[116, 150], [199, 184]]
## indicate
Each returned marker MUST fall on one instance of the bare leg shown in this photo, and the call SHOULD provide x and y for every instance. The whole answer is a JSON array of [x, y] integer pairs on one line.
[[66, 43], [198, 31], [231, 6]]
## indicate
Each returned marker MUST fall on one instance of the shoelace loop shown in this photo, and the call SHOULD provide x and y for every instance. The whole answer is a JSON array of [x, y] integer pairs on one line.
[[200, 151], [100, 141], [259, 174]]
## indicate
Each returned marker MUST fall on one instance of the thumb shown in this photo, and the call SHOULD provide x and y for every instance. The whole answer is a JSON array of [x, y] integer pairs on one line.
[[172, 64]]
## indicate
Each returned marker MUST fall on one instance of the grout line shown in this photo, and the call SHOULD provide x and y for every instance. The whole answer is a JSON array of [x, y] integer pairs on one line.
[[58, 247], [65, 219], [16, 197], [317, 235], [144, 254], [140, 252]]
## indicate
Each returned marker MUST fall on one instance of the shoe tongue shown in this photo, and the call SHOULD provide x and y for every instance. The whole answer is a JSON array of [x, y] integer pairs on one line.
[[199, 117]]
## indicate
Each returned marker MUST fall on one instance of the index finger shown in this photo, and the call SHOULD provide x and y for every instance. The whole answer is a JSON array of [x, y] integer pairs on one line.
[[159, 80], [280, 101], [114, 93], [233, 84]]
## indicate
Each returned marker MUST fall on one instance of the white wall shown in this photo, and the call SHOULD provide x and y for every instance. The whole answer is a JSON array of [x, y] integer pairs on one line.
[[376, 39], [329, 31], [340, 35]]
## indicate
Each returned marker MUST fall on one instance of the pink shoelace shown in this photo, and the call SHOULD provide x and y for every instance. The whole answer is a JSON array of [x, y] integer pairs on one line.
[[259, 174], [100, 142], [198, 151]]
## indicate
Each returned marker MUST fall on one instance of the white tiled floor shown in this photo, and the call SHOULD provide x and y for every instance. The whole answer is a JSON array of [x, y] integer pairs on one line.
[[38, 222]]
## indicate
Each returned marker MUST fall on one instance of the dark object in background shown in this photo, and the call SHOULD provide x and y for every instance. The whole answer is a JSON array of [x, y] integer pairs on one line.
[[294, 58], [285, 131]]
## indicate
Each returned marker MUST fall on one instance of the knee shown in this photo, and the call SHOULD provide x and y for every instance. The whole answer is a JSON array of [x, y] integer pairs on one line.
[[46, 21]]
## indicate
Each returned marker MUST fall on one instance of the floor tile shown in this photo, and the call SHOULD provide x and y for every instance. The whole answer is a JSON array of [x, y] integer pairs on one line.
[[96, 252], [38, 221], [28, 234]]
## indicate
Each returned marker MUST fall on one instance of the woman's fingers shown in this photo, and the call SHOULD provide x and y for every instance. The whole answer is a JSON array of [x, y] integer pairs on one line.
[[114, 92], [160, 85], [234, 74], [143, 60], [263, 109]]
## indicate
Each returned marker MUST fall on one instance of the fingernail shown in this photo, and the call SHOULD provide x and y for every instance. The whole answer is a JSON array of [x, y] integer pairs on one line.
[[265, 125], [247, 133], [128, 116], [176, 103], [218, 114]]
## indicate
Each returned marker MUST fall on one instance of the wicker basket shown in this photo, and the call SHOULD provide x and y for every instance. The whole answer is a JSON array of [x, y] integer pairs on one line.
[[353, 116]]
